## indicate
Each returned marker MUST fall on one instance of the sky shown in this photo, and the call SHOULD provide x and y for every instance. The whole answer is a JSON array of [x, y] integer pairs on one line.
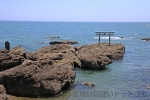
[[76, 10]]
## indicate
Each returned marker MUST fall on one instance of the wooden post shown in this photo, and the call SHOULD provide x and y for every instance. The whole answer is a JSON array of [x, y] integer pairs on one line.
[[7, 45], [99, 39], [109, 38]]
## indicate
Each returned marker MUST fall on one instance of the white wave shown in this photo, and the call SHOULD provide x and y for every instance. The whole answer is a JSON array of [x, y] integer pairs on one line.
[[112, 38], [135, 34]]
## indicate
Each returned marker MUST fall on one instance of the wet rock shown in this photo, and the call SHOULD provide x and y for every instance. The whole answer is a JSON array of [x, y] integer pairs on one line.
[[148, 86], [53, 37], [12, 58], [38, 78], [88, 84], [97, 57], [63, 42], [146, 39], [3, 95]]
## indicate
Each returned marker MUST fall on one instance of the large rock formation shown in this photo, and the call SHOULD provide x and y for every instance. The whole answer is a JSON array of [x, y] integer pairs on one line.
[[38, 78], [49, 70], [12, 58], [97, 57], [46, 72]]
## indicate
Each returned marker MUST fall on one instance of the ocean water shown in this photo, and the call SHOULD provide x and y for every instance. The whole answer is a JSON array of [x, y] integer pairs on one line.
[[126, 79]]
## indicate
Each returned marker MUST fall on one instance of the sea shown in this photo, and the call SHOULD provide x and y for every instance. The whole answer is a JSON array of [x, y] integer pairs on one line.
[[124, 79]]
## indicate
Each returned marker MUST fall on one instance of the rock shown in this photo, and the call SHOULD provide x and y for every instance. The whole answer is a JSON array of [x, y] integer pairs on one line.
[[64, 57], [63, 52], [49, 70], [63, 42], [53, 37], [146, 39], [3, 95], [148, 86], [38, 78], [30, 56], [63, 48], [58, 48], [88, 84], [97, 57], [12, 58], [2, 90], [77, 48]]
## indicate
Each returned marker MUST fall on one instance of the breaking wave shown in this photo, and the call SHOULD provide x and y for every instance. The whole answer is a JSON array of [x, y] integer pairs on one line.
[[112, 38]]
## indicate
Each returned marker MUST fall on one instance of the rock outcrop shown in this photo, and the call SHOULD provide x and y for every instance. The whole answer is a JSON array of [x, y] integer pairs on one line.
[[63, 52], [46, 72], [12, 58], [49, 70], [38, 78], [97, 57], [63, 42]]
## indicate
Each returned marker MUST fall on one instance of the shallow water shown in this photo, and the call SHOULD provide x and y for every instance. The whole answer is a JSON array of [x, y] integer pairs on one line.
[[126, 79]]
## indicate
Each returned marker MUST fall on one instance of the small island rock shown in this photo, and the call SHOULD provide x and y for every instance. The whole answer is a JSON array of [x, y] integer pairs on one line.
[[88, 84], [63, 42], [146, 39], [97, 57]]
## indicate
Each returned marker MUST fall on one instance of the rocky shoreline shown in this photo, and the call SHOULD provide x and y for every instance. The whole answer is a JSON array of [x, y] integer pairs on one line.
[[50, 70]]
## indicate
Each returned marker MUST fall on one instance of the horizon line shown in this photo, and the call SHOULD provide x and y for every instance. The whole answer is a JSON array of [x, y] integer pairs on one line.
[[74, 21]]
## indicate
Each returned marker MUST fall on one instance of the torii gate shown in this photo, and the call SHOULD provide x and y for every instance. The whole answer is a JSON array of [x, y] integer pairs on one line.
[[104, 33]]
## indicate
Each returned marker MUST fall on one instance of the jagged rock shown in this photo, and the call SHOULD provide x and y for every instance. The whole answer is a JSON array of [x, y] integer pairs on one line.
[[58, 48], [64, 57], [63, 42], [63, 48], [3, 95], [30, 56], [88, 84], [12, 58], [97, 57], [38, 78], [59, 51]]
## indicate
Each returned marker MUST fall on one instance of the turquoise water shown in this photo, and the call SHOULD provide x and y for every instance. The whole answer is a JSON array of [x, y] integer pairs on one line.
[[126, 79]]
